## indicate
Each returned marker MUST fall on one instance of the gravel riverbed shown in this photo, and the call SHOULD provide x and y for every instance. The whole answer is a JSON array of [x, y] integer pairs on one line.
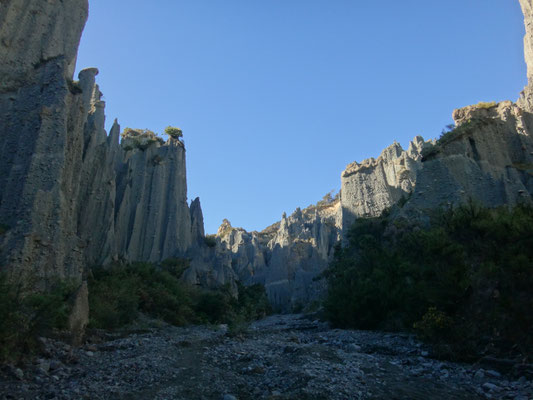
[[279, 357]]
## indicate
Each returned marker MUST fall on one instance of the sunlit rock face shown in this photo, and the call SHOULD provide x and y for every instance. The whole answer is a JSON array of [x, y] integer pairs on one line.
[[489, 160], [369, 187], [71, 195], [285, 257]]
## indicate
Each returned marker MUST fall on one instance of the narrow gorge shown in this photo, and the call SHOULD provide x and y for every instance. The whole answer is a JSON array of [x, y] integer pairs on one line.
[[73, 196]]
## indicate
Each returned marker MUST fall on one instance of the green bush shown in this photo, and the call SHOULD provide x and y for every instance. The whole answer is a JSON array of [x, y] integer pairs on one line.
[[471, 268], [174, 132], [24, 317], [118, 293]]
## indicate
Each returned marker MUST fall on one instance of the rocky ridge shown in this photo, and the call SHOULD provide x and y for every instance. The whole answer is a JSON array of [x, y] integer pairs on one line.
[[70, 194], [487, 157]]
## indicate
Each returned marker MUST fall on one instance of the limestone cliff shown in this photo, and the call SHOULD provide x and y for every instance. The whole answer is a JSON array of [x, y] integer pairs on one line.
[[41, 158], [369, 187], [153, 221], [487, 157], [285, 257], [71, 195]]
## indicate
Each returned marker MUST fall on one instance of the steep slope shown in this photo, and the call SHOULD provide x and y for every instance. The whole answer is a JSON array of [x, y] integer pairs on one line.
[[70, 195], [488, 158], [40, 156], [369, 187], [285, 257]]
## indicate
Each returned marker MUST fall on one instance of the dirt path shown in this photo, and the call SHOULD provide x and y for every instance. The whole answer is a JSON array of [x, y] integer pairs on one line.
[[280, 357]]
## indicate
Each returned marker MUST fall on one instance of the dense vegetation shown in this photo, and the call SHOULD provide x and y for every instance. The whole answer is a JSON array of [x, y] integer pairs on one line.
[[117, 295], [23, 318], [463, 282]]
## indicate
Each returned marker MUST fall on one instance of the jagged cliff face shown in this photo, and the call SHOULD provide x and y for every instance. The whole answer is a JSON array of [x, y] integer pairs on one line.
[[70, 195], [490, 161], [284, 258], [489, 158], [370, 187], [40, 157], [153, 221]]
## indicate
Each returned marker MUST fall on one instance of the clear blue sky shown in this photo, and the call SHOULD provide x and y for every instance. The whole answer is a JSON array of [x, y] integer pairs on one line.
[[276, 97]]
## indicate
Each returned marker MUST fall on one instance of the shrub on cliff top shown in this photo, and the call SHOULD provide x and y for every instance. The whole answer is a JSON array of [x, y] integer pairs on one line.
[[174, 132]]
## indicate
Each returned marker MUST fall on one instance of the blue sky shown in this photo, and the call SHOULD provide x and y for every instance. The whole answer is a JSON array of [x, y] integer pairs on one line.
[[276, 97]]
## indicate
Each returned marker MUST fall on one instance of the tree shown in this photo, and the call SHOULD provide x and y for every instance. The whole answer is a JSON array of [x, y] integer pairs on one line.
[[174, 132]]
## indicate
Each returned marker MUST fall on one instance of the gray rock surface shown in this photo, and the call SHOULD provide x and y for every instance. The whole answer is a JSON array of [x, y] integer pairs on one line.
[[42, 118], [71, 195], [491, 163], [153, 220], [369, 187], [285, 257], [36, 32]]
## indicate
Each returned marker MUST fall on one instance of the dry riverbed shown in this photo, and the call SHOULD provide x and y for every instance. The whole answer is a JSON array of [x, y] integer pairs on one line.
[[280, 357]]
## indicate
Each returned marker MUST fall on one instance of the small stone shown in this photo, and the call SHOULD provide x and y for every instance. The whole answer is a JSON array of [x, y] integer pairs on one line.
[[18, 373], [353, 348], [493, 374], [44, 366], [479, 375], [491, 387], [89, 353], [229, 397], [424, 354]]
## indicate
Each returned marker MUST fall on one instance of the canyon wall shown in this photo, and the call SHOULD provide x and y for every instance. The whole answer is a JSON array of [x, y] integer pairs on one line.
[[71, 195], [487, 157]]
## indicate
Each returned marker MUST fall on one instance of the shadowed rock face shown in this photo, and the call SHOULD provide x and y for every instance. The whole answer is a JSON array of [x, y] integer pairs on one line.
[[153, 220], [41, 156], [70, 195], [34, 33]]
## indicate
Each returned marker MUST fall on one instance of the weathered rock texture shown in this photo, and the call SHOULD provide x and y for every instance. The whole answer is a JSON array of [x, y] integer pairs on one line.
[[70, 195], [153, 221], [369, 187], [285, 257], [488, 158]]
